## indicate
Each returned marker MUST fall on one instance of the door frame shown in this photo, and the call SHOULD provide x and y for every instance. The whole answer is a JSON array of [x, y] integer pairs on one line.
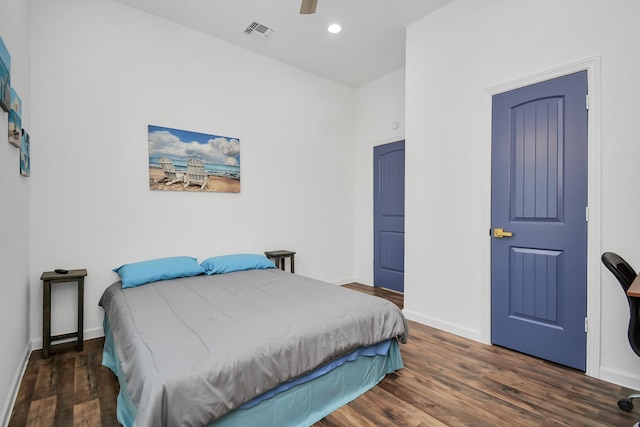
[[594, 183]]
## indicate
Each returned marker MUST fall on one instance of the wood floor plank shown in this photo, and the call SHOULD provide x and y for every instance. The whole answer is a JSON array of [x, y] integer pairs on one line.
[[447, 381], [25, 392], [85, 387], [47, 379], [42, 412], [397, 412], [65, 387], [87, 414], [346, 416], [107, 388]]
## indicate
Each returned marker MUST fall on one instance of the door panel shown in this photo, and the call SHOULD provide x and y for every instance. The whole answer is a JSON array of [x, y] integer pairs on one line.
[[539, 194], [534, 285], [388, 212]]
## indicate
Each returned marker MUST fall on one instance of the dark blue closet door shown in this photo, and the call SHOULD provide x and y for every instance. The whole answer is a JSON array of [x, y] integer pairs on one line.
[[539, 195], [388, 222]]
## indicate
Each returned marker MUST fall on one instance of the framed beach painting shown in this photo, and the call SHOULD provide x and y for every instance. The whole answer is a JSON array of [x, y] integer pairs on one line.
[[15, 120], [25, 156], [181, 160], [5, 77]]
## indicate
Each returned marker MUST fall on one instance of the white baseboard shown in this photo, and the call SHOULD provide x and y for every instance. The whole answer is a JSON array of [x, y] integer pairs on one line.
[[444, 326], [623, 378], [15, 387], [88, 334], [341, 282], [362, 281]]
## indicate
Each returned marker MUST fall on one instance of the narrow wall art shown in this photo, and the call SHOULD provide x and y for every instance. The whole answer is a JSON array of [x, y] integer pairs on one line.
[[15, 119], [25, 156], [5, 77], [181, 160]]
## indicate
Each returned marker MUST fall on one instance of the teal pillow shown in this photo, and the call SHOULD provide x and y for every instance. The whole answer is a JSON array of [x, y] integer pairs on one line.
[[139, 273], [237, 262]]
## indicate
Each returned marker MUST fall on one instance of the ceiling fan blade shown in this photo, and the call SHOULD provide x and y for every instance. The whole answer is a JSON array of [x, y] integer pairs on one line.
[[308, 7]]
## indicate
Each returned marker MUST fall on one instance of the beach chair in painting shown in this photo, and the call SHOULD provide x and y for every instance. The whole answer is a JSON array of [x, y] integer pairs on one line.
[[170, 174], [195, 174]]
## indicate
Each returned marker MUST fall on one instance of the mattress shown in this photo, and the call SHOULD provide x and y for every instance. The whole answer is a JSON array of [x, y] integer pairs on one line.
[[191, 350]]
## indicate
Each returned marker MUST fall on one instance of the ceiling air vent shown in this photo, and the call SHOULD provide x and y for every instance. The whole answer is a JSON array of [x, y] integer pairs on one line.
[[258, 31]]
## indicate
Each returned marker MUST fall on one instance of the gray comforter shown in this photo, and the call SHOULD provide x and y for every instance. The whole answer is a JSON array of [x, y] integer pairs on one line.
[[193, 349]]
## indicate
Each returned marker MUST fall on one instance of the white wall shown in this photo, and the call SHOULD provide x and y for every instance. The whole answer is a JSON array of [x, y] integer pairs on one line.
[[14, 213], [379, 106], [453, 57], [101, 72]]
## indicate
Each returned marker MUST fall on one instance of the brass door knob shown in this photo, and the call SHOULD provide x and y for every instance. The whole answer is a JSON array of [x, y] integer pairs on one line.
[[500, 233]]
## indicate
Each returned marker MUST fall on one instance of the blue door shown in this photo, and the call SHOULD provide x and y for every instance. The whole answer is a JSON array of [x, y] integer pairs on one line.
[[539, 224], [388, 216]]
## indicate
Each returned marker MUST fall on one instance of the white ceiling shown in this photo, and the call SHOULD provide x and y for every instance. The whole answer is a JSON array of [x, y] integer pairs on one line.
[[371, 44]]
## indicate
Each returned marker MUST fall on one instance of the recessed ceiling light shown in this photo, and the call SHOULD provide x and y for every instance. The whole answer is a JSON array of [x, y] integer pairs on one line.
[[334, 28]]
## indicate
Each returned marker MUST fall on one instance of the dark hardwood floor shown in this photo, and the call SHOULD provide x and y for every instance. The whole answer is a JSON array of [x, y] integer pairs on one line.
[[447, 381]]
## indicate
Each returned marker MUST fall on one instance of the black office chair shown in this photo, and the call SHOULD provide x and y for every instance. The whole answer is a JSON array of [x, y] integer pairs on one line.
[[625, 275]]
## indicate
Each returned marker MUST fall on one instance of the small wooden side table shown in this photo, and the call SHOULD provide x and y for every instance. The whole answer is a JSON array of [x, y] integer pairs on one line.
[[279, 258], [49, 278]]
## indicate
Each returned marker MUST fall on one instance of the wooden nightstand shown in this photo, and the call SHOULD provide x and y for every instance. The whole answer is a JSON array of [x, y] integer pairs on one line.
[[279, 258], [49, 278]]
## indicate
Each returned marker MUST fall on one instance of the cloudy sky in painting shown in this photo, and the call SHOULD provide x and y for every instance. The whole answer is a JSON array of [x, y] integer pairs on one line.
[[180, 144]]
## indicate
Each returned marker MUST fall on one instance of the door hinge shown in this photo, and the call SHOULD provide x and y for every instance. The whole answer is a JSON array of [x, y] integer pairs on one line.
[[586, 325], [587, 101], [586, 213]]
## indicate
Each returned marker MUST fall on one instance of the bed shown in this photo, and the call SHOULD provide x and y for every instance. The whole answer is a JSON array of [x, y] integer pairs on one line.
[[241, 347]]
